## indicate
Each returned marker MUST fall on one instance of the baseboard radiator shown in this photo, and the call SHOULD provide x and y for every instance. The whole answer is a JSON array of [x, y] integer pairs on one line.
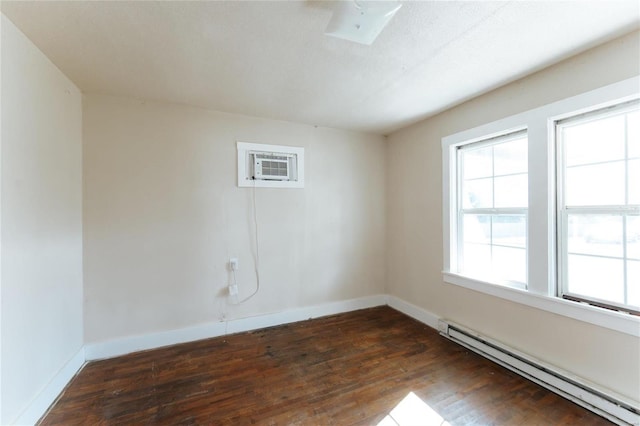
[[611, 407]]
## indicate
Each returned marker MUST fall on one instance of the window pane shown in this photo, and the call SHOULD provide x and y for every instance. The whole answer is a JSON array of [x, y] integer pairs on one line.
[[595, 185], [477, 260], [596, 234], [510, 230], [597, 277], [510, 157], [477, 193], [634, 182], [509, 264], [494, 262], [476, 229], [602, 168], [633, 237], [633, 280], [511, 191], [633, 134], [494, 246], [477, 163], [595, 141]]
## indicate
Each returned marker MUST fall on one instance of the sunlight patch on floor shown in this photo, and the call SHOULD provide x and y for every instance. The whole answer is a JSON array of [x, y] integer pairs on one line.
[[412, 411]]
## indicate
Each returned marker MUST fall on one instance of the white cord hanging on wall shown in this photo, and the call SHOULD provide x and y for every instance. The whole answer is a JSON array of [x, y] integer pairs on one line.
[[233, 289]]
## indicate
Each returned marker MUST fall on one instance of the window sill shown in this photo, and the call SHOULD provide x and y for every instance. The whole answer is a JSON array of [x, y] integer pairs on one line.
[[618, 321]]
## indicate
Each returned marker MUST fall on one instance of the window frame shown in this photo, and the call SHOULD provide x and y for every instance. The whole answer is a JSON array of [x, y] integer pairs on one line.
[[541, 224], [562, 212]]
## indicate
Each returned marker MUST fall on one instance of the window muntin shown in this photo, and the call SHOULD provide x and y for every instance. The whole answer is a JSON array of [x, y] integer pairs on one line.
[[492, 209], [599, 207]]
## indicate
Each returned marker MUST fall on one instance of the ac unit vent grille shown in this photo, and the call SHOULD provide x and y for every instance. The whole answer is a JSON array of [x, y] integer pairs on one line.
[[274, 168], [271, 167]]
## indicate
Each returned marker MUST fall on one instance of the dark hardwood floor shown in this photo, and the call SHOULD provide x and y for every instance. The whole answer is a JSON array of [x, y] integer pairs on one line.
[[345, 369]]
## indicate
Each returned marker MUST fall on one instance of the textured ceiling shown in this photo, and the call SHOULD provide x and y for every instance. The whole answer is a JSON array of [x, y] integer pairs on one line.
[[271, 58]]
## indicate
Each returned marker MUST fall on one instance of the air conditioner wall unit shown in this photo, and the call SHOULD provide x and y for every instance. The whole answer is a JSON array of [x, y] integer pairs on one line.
[[272, 166]]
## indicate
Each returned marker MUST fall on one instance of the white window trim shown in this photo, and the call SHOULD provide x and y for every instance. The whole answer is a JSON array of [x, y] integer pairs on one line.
[[541, 256]]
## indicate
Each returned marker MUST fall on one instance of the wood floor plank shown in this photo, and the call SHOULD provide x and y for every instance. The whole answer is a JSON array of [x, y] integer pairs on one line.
[[347, 369]]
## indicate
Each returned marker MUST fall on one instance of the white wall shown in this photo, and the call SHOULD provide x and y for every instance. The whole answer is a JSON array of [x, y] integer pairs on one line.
[[41, 222], [163, 214], [414, 205]]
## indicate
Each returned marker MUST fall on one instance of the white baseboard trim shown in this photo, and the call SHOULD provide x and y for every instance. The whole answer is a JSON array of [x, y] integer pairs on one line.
[[301, 314], [413, 311], [41, 403], [122, 346], [142, 342], [47, 396]]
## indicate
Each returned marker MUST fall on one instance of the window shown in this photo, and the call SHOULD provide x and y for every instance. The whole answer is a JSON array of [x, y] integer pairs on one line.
[[492, 209], [546, 204], [599, 207]]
